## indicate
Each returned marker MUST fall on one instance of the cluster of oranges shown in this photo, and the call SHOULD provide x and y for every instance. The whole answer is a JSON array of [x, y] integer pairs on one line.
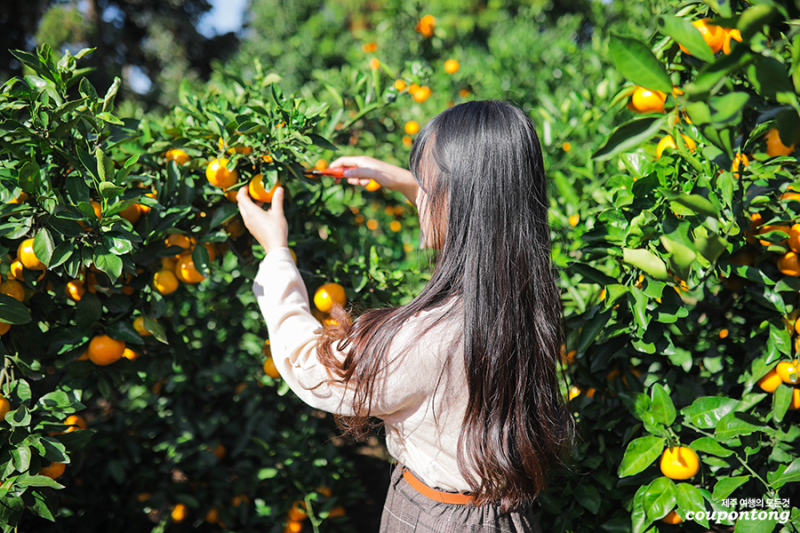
[[426, 25], [785, 372], [678, 463], [173, 270]]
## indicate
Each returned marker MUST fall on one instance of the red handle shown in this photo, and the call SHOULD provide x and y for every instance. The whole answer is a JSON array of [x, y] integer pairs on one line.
[[337, 172]]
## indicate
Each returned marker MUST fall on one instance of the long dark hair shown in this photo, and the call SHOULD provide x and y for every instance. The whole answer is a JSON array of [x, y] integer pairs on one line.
[[481, 166]]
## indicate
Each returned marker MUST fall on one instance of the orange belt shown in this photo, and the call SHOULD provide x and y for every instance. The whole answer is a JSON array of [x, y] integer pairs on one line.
[[433, 494]]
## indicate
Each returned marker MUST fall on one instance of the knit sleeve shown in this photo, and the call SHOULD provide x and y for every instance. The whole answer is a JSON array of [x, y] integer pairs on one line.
[[294, 332]]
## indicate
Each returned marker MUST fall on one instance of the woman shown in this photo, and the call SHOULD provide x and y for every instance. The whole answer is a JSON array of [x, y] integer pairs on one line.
[[465, 377]]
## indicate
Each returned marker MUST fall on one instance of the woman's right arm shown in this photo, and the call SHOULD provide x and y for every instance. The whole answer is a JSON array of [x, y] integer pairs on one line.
[[387, 175]]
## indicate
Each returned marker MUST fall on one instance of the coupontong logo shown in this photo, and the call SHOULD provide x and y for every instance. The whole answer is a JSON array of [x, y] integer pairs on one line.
[[721, 516]]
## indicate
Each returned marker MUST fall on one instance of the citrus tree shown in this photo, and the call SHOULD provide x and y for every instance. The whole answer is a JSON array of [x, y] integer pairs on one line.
[[682, 297], [137, 376]]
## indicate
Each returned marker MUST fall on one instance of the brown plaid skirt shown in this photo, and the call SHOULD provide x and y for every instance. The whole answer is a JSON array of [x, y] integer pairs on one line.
[[408, 511]]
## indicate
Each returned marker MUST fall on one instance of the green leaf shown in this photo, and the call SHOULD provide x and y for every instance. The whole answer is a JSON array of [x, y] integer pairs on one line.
[[681, 258], [588, 496], [689, 498], [105, 166], [107, 262], [640, 454], [43, 246], [663, 409], [156, 329], [61, 253], [647, 261], [124, 331], [591, 328], [628, 136], [768, 76], [660, 498], [711, 446], [726, 485], [706, 411], [695, 202], [686, 34], [39, 481], [790, 475], [42, 505], [591, 274], [20, 417], [13, 311], [737, 424], [710, 245], [637, 63], [108, 190], [782, 399], [21, 456], [88, 311], [753, 19], [29, 177], [223, 214]]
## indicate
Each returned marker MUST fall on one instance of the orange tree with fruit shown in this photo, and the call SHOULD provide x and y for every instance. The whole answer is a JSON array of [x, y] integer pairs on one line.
[[682, 300], [136, 375]]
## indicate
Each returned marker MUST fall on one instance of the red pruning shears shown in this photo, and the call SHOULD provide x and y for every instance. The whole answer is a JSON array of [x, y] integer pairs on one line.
[[337, 172]]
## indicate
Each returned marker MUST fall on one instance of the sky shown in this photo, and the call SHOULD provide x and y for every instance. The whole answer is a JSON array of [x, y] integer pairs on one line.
[[225, 16]]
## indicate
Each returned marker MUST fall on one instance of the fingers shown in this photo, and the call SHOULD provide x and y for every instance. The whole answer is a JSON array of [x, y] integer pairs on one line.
[[277, 202], [346, 161]]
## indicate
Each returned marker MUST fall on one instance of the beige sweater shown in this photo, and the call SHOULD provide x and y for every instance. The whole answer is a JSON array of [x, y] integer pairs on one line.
[[404, 397]]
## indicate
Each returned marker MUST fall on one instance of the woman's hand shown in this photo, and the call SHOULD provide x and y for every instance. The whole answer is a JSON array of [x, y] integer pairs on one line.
[[387, 175], [268, 227]]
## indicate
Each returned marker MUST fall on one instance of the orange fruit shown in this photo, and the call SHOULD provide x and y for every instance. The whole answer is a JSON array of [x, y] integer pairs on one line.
[[421, 94], [21, 199], [669, 142], [795, 405], [212, 516], [773, 227], [219, 176], [75, 422], [186, 271], [270, 369], [168, 263], [412, 127], [236, 501], [75, 290], [774, 145], [739, 160], [178, 513], [53, 470], [374, 63], [257, 191], [220, 451], [165, 282], [13, 288], [325, 491], [212, 250], [451, 66], [240, 388], [15, 270], [143, 496], [400, 85], [26, 254], [770, 381], [679, 462], [138, 325], [178, 155], [794, 238], [788, 372], [574, 392], [5, 407], [144, 209], [337, 511], [179, 239], [713, 35], [789, 265], [235, 228], [672, 518], [103, 350], [325, 296], [231, 196], [321, 164], [293, 527], [297, 511], [373, 186], [368, 48], [647, 101], [730, 33], [131, 213], [130, 354], [98, 209]]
